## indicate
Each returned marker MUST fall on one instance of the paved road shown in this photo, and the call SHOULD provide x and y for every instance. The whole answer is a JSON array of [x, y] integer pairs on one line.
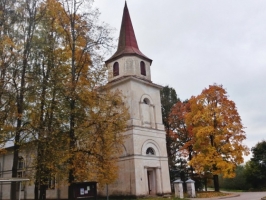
[[239, 196]]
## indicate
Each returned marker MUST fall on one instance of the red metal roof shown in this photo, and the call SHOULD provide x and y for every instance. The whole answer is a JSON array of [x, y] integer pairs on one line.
[[127, 44]]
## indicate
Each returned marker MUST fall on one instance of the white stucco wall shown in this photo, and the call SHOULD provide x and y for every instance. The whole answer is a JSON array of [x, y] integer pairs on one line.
[[128, 66], [145, 130]]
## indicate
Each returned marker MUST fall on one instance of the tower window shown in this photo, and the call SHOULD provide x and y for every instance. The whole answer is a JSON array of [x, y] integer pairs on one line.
[[146, 101], [150, 151], [116, 69], [142, 68]]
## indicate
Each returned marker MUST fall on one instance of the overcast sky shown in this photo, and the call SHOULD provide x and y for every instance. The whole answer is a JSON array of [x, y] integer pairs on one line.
[[196, 43]]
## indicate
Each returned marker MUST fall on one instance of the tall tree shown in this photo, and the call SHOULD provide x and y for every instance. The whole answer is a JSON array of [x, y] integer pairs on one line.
[[168, 99], [256, 167], [218, 133], [25, 15], [47, 111]]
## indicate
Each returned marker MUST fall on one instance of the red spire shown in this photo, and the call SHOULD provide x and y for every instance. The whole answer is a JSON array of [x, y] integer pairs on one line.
[[127, 44]]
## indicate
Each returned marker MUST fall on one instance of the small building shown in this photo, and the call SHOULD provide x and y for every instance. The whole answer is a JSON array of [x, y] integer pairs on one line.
[[26, 175]]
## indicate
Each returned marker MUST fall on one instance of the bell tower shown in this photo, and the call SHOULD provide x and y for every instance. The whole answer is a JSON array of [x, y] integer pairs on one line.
[[144, 163]]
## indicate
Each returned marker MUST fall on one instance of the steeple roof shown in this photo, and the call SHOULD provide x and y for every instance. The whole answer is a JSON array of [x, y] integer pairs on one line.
[[127, 44]]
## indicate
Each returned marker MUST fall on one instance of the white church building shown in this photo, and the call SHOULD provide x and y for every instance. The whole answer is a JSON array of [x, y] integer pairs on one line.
[[144, 163]]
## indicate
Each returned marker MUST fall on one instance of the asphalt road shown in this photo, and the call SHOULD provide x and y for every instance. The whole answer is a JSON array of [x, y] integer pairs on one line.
[[238, 196]]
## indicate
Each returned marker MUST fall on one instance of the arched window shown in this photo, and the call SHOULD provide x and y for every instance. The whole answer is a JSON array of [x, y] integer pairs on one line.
[[146, 101], [150, 151], [116, 69], [142, 68]]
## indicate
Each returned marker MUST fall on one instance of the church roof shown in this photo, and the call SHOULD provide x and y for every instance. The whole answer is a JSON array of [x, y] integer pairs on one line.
[[127, 44]]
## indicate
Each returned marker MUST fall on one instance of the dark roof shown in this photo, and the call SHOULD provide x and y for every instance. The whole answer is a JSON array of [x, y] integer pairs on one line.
[[127, 44]]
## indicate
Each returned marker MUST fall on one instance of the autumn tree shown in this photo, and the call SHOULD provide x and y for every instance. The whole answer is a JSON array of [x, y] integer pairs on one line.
[[47, 114], [100, 138], [256, 167], [183, 143], [218, 133]]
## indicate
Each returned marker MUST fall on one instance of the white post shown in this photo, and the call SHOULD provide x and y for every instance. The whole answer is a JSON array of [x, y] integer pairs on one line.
[[178, 185], [191, 188]]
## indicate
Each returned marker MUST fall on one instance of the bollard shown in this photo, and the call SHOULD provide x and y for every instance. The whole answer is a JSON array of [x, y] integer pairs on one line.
[[191, 188], [178, 185]]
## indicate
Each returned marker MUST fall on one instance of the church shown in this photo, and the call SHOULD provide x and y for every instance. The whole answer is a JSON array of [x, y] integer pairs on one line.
[[143, 165]]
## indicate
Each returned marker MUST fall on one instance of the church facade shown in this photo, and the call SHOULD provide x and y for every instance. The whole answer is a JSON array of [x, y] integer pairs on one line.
[[144, 163]]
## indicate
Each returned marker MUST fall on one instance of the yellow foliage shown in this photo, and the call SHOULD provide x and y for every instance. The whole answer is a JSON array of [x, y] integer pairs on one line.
[[218, 133]]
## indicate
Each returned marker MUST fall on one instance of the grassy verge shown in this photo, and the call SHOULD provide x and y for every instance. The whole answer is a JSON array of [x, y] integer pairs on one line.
[[211, 194]]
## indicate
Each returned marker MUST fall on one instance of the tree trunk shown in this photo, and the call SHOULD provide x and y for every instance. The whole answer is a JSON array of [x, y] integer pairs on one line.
[[14, 187], [20, 102], [205, 183], [43, 192], [36, 191], [70, 192], [71, 146], [216, 183]]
